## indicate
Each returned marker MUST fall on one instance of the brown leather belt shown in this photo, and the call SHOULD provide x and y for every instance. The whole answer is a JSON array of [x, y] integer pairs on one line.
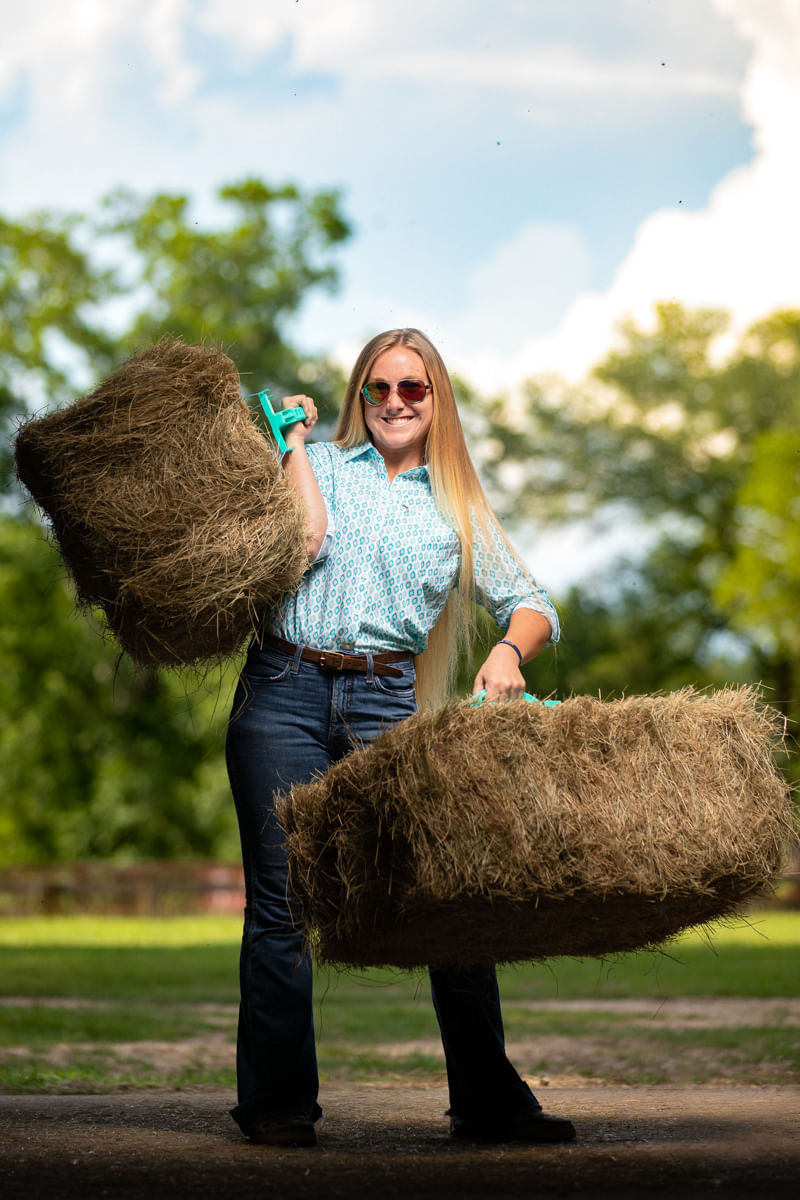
[[336, 660]]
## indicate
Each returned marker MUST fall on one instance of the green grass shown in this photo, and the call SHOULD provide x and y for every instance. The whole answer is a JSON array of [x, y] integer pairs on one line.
[[36, 1026], [77, 989], [149, 932], [194, 960], [100, 1071], [157, 960]]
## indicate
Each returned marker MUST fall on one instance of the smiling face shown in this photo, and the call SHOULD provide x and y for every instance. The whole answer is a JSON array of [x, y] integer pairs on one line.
[[399, 429]]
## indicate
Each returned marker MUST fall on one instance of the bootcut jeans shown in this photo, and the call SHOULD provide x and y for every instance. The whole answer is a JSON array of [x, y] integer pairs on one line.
[[290, 720]]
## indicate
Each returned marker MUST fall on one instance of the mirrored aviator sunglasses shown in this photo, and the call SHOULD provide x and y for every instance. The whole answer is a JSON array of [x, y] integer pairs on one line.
[[413, 391]]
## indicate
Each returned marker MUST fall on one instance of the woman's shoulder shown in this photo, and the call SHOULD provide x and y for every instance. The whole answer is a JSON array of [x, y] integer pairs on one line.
[[324, 455], [331, 463], [332, 455], [324, 449]]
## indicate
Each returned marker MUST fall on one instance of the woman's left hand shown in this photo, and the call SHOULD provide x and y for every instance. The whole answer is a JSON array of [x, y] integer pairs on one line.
[[500, 675]]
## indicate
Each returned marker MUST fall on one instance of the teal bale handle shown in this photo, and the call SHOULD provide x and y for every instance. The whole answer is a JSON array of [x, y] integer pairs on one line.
[[478, 698], [278, 421]]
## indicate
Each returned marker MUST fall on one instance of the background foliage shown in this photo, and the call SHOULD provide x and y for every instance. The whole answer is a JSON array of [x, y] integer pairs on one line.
[[690, 446], [698, 459]]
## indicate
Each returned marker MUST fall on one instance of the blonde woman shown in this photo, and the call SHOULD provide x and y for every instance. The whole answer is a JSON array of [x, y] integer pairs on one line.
[[401, 544]]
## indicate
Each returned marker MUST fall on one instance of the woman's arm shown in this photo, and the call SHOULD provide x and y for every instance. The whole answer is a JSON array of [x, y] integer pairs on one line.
[[500, 674], [298, 471]]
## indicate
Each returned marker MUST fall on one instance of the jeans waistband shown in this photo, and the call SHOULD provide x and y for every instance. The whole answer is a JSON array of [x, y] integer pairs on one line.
[[338, 660]]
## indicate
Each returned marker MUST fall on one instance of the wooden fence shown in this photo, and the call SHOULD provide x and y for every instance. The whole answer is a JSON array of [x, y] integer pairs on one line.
[[172, 888], [143, 889]]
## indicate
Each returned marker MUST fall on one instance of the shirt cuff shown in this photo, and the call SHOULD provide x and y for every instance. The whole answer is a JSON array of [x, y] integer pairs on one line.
[[548, 612]]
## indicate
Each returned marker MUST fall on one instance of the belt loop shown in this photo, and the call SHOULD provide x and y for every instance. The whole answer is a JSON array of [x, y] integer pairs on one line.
[[370, 666], [298, 653]]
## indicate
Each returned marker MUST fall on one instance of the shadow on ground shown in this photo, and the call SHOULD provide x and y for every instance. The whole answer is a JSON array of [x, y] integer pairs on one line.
[[390, 1139]]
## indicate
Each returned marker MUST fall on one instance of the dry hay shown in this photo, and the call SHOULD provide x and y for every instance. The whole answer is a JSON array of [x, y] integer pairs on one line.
[[514, 832], [168, 505]]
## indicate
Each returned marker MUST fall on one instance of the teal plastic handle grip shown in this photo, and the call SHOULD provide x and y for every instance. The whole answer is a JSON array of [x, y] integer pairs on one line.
[[478, 698], [278, 421]]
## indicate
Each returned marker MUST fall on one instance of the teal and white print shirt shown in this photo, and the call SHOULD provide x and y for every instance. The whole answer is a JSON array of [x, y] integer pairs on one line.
[[390, 561]]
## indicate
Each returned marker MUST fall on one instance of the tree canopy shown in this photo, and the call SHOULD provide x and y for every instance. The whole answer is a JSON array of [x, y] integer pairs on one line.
[[243, 279], [78, 293], [696, 449], [97, 758]]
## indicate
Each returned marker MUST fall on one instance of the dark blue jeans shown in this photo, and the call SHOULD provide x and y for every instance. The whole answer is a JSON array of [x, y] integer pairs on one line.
[[290, 719]]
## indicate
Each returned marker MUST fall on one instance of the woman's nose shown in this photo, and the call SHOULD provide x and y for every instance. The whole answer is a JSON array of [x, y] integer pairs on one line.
[[394, 401]]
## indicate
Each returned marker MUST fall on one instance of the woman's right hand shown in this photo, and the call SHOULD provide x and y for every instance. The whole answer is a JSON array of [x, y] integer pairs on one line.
[[295, 435]]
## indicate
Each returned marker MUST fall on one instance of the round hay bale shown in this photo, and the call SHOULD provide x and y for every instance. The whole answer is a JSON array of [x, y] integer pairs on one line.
[[515, 832], [168, 505]]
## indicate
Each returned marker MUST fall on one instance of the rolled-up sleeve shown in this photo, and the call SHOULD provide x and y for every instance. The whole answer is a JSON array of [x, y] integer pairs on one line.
[[502, 586], [327, 541], [320, 458]]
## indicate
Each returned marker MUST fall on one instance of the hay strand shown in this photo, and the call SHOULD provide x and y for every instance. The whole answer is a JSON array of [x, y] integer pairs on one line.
[[167, 504], [516, 832]]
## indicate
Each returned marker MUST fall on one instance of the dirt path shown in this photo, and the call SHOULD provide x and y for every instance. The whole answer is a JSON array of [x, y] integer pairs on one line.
[[389, 1139], [576, 1057]]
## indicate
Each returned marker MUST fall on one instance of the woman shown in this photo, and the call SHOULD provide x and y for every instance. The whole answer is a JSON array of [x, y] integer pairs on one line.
[[401, 543]]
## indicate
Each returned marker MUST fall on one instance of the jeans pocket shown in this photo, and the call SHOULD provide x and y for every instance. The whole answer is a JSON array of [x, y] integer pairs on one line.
[[399, 689], [267, 666]]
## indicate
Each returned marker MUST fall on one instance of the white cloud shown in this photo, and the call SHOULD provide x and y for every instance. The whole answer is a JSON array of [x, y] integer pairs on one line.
[[88, 70], [523, 288], [772, 25], [252, 28], [742, 251], [162, 29], [59, 50], [381, 43], [331, 37], [118, 93], [549, 69]]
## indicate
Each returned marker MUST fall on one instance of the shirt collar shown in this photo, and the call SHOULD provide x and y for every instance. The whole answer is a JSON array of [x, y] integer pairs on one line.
[[366, 449]]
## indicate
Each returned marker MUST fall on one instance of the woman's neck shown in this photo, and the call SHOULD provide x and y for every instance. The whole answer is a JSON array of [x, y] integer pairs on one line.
[[396, 464]]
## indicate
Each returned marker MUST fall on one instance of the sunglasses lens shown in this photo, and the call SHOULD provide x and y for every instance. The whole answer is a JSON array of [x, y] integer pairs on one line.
[[412, 390], [375, 393]]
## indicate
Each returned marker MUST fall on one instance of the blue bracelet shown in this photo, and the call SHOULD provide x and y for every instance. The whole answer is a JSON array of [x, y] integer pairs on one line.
[[505, 642]]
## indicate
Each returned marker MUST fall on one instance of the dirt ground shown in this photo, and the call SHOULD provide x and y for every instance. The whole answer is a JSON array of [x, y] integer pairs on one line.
[[390, 1139], [573, 1060]]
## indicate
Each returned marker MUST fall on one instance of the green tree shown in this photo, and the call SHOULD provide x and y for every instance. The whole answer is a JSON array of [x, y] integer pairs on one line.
[[663, 439], [97, 758], [236, 285], [51, 297], [760, 588]]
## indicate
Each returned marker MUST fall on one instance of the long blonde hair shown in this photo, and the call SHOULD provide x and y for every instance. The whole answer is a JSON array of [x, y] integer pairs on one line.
[[456, 489]]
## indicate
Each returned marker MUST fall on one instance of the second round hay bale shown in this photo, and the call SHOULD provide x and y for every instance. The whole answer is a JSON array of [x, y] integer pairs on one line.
[[168, 504], [517, 832]]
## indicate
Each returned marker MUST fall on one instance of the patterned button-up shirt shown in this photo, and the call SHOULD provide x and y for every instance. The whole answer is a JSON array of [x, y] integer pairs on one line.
[[389, 562]]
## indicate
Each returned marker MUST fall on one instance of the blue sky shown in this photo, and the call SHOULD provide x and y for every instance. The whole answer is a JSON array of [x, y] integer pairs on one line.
[[520, 174]]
